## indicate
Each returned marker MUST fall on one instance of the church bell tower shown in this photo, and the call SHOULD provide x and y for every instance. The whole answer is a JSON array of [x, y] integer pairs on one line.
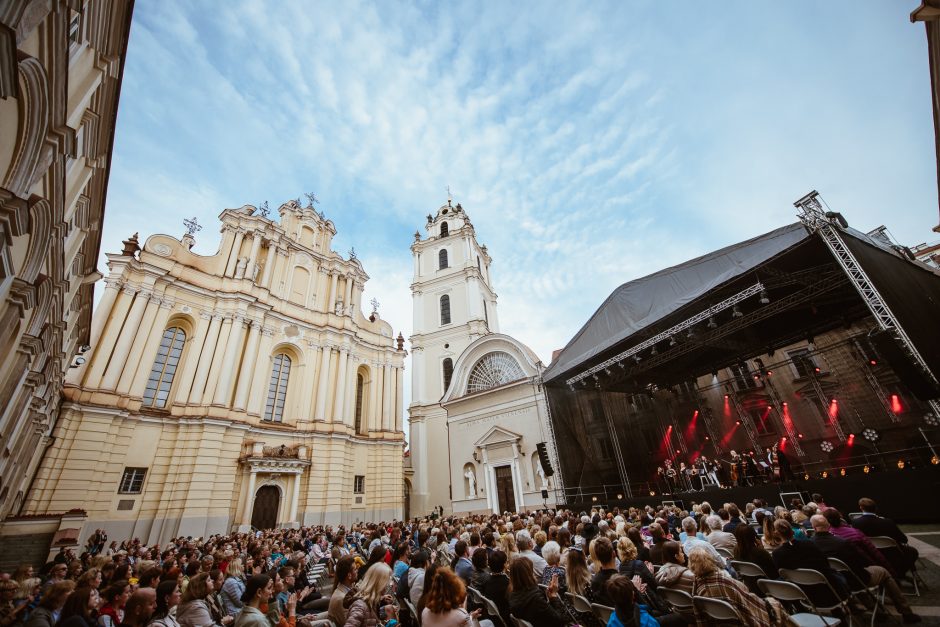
[[454, 304]]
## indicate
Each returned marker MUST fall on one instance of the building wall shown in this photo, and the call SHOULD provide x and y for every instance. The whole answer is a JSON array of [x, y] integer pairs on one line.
[[60, 74], [273, 292]]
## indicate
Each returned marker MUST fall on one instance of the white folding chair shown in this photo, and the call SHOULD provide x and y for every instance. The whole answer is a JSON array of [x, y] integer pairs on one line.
[[680, 600], [889, 547], [808, 579], [749, 572], [717, 610], [858, 588]]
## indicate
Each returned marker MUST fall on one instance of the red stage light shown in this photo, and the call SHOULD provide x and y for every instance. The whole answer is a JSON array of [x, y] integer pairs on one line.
[[783, 439], [784, 403], [817, 369], [799, 435], [851, 439], [896, 404], [727, 397], [670, 428], [873, 362], [707, 438], [770, 373], [737, 422]]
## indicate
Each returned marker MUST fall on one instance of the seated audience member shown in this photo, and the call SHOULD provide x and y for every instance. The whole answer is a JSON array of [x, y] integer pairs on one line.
[[718, 538], [193, 610], [462, 565], [605, 567], [524, 543], [869, 574], [50, 605], [713, 582], [481, 570], [626, 610], [528, 602], [368, 605], [749, 549], [79, 609], [673, 573], [551, 553], [167, 597], [838, 527], [871, 524], [630, 565], [140, 607], [793, 554], [642, 550], [496, 587], [115, 597], [346, 575], [658, 535], [579, 583], [445, 605]]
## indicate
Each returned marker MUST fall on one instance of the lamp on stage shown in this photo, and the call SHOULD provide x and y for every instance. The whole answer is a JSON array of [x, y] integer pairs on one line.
[[931, 419], [871, 435], [711, 323], [900, 464], [736, 312], [764, 298]]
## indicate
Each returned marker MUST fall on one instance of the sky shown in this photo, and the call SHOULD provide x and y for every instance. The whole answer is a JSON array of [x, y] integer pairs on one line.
[[590, 143]]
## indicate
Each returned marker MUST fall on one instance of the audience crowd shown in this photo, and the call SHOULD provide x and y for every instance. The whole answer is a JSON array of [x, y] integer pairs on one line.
[[550, 568]]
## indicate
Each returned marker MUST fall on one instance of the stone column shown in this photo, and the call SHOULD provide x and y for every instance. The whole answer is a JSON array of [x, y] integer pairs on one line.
[[250, 497], [205, 360], [187, 369], [269, 262], [399, 399], [99, 357], [295, 498], [375, 405], [351, 383], [261, 375], [331, 301], [248, 367], [250, 272], [320, 413], [277, 280], [103, 308], [146, 351], [230, 361], [121, 349], [387, 384], [347, 300], [233, 257], [339, 396], [517, 478], [142, 342]]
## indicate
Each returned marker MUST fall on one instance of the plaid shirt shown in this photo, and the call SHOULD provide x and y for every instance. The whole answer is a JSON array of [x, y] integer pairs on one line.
[[752, 608]]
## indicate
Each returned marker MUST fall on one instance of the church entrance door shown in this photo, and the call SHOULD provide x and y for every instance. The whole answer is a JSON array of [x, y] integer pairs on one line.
[[264, 513], [504, 491]]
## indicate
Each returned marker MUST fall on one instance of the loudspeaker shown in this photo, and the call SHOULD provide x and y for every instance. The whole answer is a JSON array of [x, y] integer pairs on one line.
[[544, 460], [544, 494], [910, 373]]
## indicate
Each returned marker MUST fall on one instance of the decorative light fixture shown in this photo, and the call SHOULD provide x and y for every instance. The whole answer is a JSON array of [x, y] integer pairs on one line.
[[825, 474], [935, 460], [931, 419], [826, 445], [652, 492], [900, 464], [842, 471], [805, 476], [736, 312], [619, 497], [866, 469], [594, 498], [711, 323], [764, 298], [871, 435]]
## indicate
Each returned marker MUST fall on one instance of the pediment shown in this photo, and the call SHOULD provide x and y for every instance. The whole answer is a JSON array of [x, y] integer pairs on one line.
[[497, 435]]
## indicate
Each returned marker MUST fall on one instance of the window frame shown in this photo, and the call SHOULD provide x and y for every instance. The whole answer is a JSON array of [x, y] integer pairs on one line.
[[359, 484], [177, 342], [444, 308], [445, 230], [360, 394], [802, 356], [443, 259], [278, 386], [130, 478], [447, 371]]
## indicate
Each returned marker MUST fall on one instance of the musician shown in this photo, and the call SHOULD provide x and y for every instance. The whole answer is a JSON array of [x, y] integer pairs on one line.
[[685, 472], [671, 475], [737, 469], [753, 471], [786, 472], [709, 472], [661, 483]]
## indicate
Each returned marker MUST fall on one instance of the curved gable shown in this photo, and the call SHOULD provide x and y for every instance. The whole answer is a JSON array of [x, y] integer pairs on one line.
[[527, 361]]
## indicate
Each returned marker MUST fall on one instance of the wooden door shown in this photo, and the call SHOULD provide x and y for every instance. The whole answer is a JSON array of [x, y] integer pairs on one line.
[[264, 514], [504, 490]]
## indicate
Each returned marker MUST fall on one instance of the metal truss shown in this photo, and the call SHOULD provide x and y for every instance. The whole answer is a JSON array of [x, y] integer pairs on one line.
[[816, 220], [559, 480], [875, 386], [822, 396], [746, 420], [705, 413], [618, 454], [781, 416], [682, 326]]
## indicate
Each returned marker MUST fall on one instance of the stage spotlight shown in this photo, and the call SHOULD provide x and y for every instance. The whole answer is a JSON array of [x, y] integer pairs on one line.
[[594, 498], [737, 422], [764, 297], [851, 439], [805, 476], [637, 358], [707, 438], [871, 435], [799, 435], [672, 340], [896, 404], [727, 397], [866, 469], [825, 474], [842, 471], [652, 492], [872, 362], [817, 370], [619, 497], [900, 464], [935, 460], [931, 419], [711, 323], [826, 446], [653, 351], [770, 373]]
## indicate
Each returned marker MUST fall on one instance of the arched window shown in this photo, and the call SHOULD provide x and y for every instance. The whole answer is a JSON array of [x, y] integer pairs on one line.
[[442, 259], [494, 369], [445, 309], [448, 369], [164, 367], [277, 388], [444, 230], [360, 386]]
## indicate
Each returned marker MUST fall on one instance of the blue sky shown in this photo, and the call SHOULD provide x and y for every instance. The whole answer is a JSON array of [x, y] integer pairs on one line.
[[591, 143]]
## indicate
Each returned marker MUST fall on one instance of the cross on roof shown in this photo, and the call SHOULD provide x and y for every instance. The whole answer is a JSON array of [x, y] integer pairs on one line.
[[192, 225]]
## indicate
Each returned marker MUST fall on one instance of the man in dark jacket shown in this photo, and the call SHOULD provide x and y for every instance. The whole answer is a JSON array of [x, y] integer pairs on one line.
[[871, 524], [793, 554], [870, 574]]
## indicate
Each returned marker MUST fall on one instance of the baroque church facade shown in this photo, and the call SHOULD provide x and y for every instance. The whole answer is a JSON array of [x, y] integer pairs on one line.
[[477, 411], [242, 389]]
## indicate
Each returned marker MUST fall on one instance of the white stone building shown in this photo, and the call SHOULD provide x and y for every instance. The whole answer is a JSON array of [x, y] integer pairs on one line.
[[477, 409]]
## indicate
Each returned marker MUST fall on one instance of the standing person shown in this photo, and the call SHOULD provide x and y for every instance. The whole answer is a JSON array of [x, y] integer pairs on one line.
[[168, 597], [79, 609], [50, 606], [140, 607]]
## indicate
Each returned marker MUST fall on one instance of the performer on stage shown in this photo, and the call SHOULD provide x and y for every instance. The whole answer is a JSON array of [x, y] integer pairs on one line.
[[783, 463], [685, 473], [671, 476], [737, 470], [752, 472]]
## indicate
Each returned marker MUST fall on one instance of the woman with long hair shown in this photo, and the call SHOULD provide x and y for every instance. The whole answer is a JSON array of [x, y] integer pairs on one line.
[[507, 544], [50, 605], [528, 602], [375, 557], [673, 573], [578, 578], [750, 549], [642, 550], [213, 600], [193, 611], [445, 605], [369, 604], [90, 578], [115, 597], [80, 609], [234, 587], [168, 597], [771, 539]]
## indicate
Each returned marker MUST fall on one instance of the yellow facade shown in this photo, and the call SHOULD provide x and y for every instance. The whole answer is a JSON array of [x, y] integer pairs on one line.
[[60, 75], [216, 382]]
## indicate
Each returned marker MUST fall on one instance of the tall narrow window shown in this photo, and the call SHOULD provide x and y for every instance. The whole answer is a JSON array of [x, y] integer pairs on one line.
[[444, 230], [445, 309], [442, 259], [479, 267], [164, 367], [277, 388], [360, 384], [448, 369]]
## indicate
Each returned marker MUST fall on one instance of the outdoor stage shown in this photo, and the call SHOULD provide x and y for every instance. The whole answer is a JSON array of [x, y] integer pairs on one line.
[[909, 496]]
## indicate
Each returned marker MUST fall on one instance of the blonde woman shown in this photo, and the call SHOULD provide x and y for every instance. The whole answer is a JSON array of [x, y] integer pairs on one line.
[[369, 605], [507, 544], [234, 587]]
